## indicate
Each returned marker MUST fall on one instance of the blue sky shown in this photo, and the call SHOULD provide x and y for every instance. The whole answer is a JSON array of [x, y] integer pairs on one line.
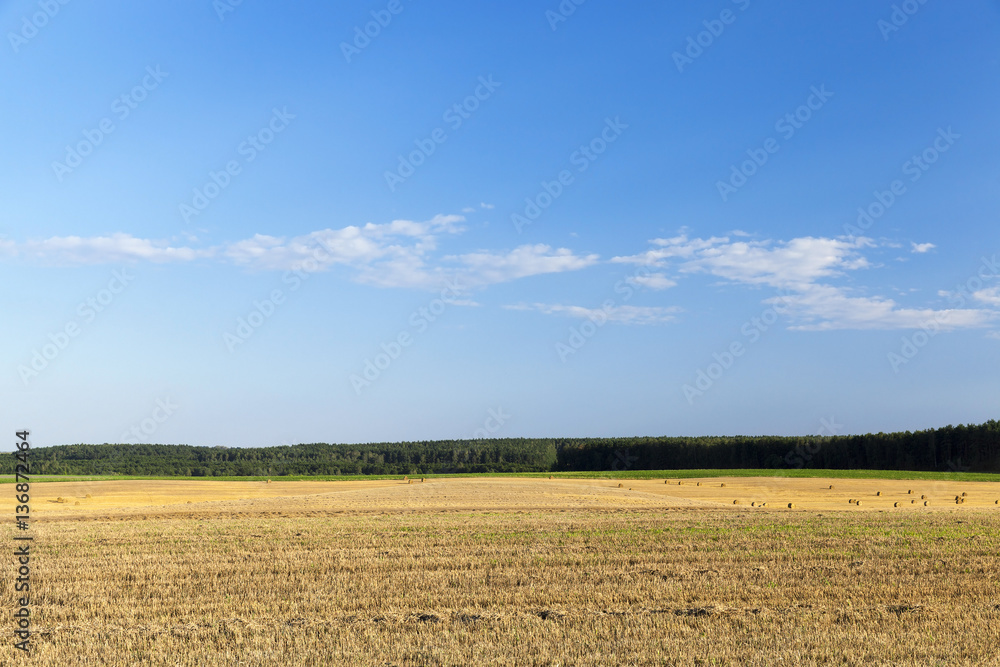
[[251, 224]]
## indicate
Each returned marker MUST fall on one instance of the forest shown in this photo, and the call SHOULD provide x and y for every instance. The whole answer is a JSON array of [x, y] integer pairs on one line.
[[971, 448]]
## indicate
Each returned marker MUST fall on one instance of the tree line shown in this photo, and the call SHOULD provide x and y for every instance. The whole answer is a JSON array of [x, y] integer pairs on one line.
[[972, 448]]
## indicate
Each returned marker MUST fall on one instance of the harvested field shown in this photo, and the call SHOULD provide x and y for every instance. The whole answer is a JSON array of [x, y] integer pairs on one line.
[[515, 572]]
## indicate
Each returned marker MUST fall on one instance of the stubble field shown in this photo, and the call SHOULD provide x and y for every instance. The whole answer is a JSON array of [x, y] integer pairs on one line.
[[514, 571]]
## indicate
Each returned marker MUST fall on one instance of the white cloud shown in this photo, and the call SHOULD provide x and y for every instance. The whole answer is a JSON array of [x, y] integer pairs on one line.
[[487, 206], [921, 247], [990, 296], [791, 265], [485, 268], [801, 269], [76, 250], [824, 308], [617, 314], [401, 253], [654, 281]]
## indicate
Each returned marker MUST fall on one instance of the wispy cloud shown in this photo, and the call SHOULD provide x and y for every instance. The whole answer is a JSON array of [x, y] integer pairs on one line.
[[401, 253], [617, 314], [653, 281], [801, 269], [921, 247]]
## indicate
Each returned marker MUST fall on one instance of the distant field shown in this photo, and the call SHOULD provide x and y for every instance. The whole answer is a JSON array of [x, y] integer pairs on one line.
[[625, 474], [516, 571]]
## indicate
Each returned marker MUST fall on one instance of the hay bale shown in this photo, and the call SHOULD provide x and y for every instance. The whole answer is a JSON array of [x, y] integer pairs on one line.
[[910, 492], [722, 486], [895, 504], [763, 504], [666, 481], [89, 496], [679, 482], [831, 486], [268, 481], [850, 501], [923, 497], [550, 477], [926, 502], [753, 504], [859, 503], [699, 484], [620, 485], [736, 502], [878, 493], [409, 481], [913, 502], [964, 494], [791, 505]]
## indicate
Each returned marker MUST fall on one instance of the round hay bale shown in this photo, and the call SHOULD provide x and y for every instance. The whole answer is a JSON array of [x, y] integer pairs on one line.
[[850, 501], [895, 504], [409, 481], [878, 493], [926, 502], [996, 502], [923, 497], [699, 484], [679, 482], [268, 481], [791, 505], [913, 502], [620, 486], [753, 504], [736, 502], [964, 494], [763, 504], [910, 492], [77, 502], [550, 476], [831, 486], [859, 503], [421, 479], [89, 496], [722, 486], [666, 481]]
